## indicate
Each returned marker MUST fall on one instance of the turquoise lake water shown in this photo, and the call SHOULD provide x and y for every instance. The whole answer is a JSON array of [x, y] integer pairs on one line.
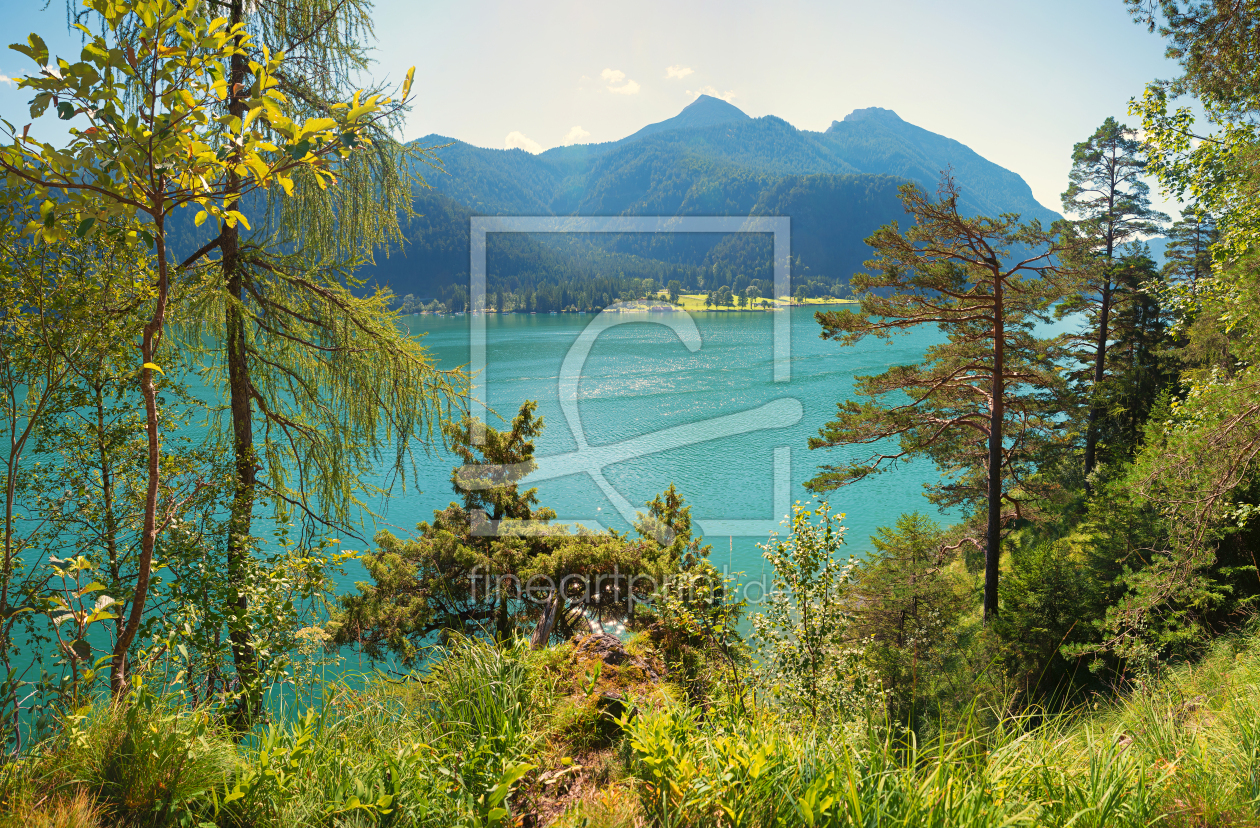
[[640, 380], [653, 412]]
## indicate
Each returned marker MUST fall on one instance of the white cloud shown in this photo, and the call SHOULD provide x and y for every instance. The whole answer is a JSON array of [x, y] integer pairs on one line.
[[678, 71], [616, 76], [575, 136], [6, 79], [517, 140], [709, 90]]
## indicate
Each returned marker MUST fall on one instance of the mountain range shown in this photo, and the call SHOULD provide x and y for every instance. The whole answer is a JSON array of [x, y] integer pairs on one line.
[[837, 186]]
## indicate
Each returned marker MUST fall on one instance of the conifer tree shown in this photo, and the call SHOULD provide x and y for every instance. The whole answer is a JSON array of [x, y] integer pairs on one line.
[[489, 563], [981, 403], [1107, 193], [1138, 369], [146, 89], [319, 378], [1188, 257], [908, 602]]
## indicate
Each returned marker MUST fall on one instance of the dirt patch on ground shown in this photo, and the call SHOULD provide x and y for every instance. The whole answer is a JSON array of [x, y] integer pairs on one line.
[[599, 685]]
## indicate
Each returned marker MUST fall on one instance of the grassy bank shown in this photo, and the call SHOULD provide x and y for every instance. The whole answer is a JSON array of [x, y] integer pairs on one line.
[[504, 736]]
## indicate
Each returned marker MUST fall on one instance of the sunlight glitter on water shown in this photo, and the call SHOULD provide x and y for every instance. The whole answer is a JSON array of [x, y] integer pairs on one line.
[[640, 381]]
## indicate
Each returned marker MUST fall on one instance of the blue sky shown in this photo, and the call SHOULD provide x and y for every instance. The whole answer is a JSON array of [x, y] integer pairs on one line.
[[1018, 82]]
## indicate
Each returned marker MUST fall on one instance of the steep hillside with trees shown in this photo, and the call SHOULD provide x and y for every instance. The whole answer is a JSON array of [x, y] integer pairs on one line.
[[710, 159]]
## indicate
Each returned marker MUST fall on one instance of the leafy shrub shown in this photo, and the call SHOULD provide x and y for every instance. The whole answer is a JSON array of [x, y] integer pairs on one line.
[[808, 661]]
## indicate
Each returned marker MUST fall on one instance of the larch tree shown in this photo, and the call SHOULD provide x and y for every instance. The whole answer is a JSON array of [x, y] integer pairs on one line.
[[321, 380], [148, 92], [982, 403], [1112, 202]]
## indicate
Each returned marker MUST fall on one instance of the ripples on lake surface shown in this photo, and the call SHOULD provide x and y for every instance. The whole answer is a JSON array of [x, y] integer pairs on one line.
[[640, 379]]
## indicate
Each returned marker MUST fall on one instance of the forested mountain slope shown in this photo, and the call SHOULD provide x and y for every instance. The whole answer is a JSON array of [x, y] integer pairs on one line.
[[711, 159]]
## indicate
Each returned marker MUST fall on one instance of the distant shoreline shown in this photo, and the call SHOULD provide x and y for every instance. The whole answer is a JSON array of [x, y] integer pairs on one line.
[[693, 303]]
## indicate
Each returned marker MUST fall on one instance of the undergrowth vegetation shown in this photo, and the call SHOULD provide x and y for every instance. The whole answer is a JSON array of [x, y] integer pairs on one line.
[[494, 736], [1080, 648], [443, 751], [1177, 750]]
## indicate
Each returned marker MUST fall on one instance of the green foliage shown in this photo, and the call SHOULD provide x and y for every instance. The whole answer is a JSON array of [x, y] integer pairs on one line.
[[167, 155], [908, 602], [494, 564], [69, 464], [1138, 370], [1192, 568], [150, 89], [982, 405], [1107, 192], [808, 662], [145, 760], [447, 750], [326, 370], [735, 773], [1053, 603], [1189, 252], [455, 746], [1180, 751], [947, 403]]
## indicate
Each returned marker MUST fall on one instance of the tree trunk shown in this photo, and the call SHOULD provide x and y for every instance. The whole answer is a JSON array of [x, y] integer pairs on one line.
[[149, 532], [1100, 367], [107, 496], [993, 533], [542, 633], [240, 519]]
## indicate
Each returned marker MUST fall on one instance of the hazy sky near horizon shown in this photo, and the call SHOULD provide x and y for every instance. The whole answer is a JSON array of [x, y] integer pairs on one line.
[[1018, 82]]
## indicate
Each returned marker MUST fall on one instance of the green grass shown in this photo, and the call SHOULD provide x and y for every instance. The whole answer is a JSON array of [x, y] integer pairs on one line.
[[443, 751], [482, 738], [1180, 751]]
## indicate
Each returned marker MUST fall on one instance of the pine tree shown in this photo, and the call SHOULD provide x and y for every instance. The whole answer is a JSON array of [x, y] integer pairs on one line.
[[981, 404], [1188, 257], [1107, 193], [491, 562], [1138, 368]]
